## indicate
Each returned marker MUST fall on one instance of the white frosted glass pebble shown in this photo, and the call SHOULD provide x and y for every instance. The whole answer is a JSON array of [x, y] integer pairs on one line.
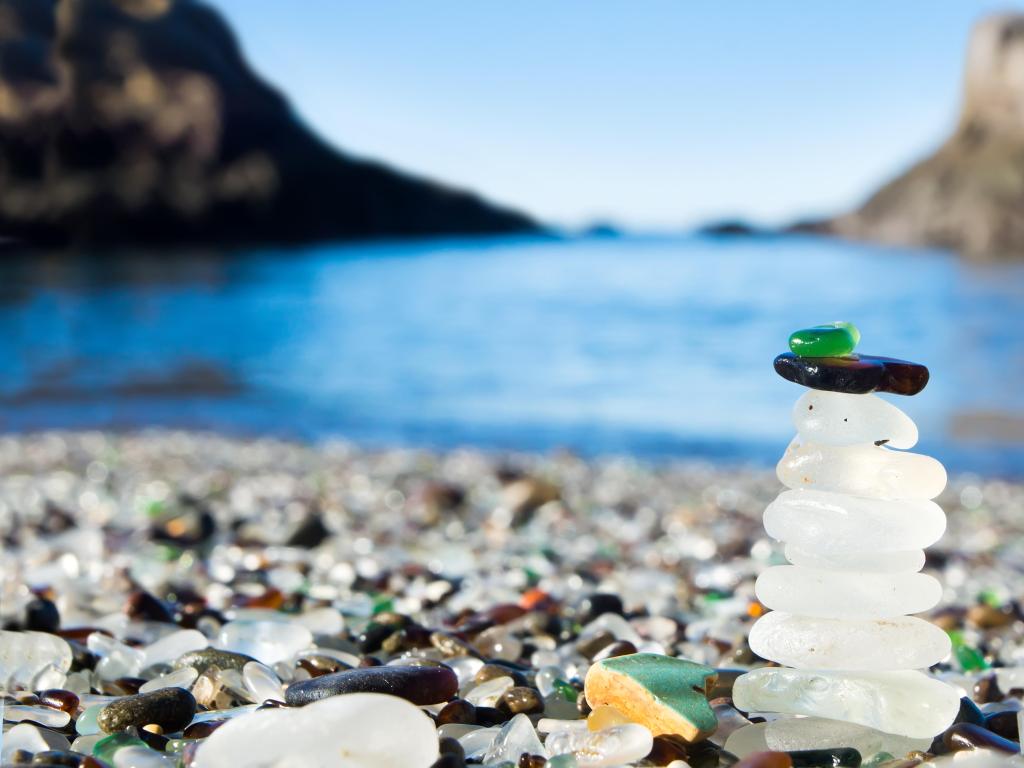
[[22, 736], [861, 470], [790, 734], [143, 757], [23, 655], [476, 743], [846, 594], [45, 716], [266, 641], [838, 418], [901, 642], [179, 678], [361, 730], [322, 621], [487, 693], [117, 659], [515, 738], [908, 703], [904, 561], [170, 647], [261, 683], [832, 523], [613, 746]]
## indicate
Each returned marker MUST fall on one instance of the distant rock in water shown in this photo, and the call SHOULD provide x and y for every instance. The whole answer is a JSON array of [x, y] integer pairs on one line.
[[139, 121], [969, 195]]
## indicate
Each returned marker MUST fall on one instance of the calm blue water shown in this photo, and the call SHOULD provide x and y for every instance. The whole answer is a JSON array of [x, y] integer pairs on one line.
[[659, 347]]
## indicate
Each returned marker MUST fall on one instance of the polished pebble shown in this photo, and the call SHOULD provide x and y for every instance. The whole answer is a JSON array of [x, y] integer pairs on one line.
[[790, 734], [907, 703], [665, 694], [900, 642], [968, 736], [170, 708], [370, 730], [856, 374], [875, 472], [24, 655], [420, 685], [212, 657], [833, 523], [602, 749], [846, 594], [830, 340], [838, 419], [905, 561], [266, 641]]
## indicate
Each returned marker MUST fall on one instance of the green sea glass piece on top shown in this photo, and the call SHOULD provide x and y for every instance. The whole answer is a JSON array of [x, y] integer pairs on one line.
[[831, 340]]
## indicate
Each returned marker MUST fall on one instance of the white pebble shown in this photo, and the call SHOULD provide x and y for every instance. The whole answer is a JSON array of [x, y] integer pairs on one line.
[[515, 738], [170, 647], [179, 678], [790, 734], [838, 418], [861, 470], [905, 561], [266, 641], [23, 655], [907, 703], [45, 716], [608, 747], [846, 594], [487, 693], [261, 683], [22, 736], [833, 523], [362, 730], [805, 642]]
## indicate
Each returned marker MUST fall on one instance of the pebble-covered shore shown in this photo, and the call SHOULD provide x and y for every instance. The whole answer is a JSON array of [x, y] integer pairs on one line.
[[181, 599]]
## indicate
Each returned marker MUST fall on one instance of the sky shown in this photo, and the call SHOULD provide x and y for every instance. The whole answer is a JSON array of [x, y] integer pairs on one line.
[[653, 114]]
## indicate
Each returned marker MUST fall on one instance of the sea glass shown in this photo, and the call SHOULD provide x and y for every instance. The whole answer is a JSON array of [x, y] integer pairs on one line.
[[854, 374], [837, 418], [830, 340]]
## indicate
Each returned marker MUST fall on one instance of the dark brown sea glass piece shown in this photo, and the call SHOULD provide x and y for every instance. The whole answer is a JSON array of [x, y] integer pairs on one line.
[[856, 374]]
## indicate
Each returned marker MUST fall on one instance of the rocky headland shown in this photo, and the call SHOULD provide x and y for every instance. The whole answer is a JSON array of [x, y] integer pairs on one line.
[[140, 122]]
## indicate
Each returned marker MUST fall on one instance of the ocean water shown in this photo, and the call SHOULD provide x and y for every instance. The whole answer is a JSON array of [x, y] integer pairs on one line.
[[657, 347]]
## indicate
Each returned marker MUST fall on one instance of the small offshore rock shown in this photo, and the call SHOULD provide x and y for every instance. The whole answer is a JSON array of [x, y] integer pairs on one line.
[[170, 708], [420, 685]]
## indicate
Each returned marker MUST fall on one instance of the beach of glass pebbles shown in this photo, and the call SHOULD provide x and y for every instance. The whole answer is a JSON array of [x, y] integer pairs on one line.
[[181, 599]]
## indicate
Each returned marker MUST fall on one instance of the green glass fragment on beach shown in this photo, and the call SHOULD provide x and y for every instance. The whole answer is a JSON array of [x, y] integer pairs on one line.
[[831, 340], [104, 749], [969, 658]]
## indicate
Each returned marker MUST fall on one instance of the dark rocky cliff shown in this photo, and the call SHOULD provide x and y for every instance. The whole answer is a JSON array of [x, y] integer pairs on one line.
[[139, 121]]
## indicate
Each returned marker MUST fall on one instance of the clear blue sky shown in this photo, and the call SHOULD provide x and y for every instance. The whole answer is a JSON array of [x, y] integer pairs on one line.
[[653, 113]]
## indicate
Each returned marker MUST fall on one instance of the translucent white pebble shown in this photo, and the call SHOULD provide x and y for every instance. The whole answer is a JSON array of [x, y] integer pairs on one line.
[[790, 734], [23, 655], [487, 693], [45, 716], [179, 678], [902, 642], [613, 746], [476, 743], [261, 683], [266, 641], [905, 561], [515, 738], [861, 470], [908, 703], [833, 523], [170, 647], [846, 594], [362, 730], [837, 418], [23, 736], [143, 757]]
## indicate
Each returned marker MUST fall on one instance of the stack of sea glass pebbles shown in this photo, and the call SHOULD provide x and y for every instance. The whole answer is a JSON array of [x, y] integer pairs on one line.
[[855, 522]]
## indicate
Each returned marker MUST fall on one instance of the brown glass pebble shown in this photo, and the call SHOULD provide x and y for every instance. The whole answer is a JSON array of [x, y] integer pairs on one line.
[[765, 760], [521, 699], [590, 646], [855, 374], [492, 671], [531, 761], [964, 736], [458, 711], [618, 648], [986, 690], [202, 729], [59, 699], [665, 749]]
